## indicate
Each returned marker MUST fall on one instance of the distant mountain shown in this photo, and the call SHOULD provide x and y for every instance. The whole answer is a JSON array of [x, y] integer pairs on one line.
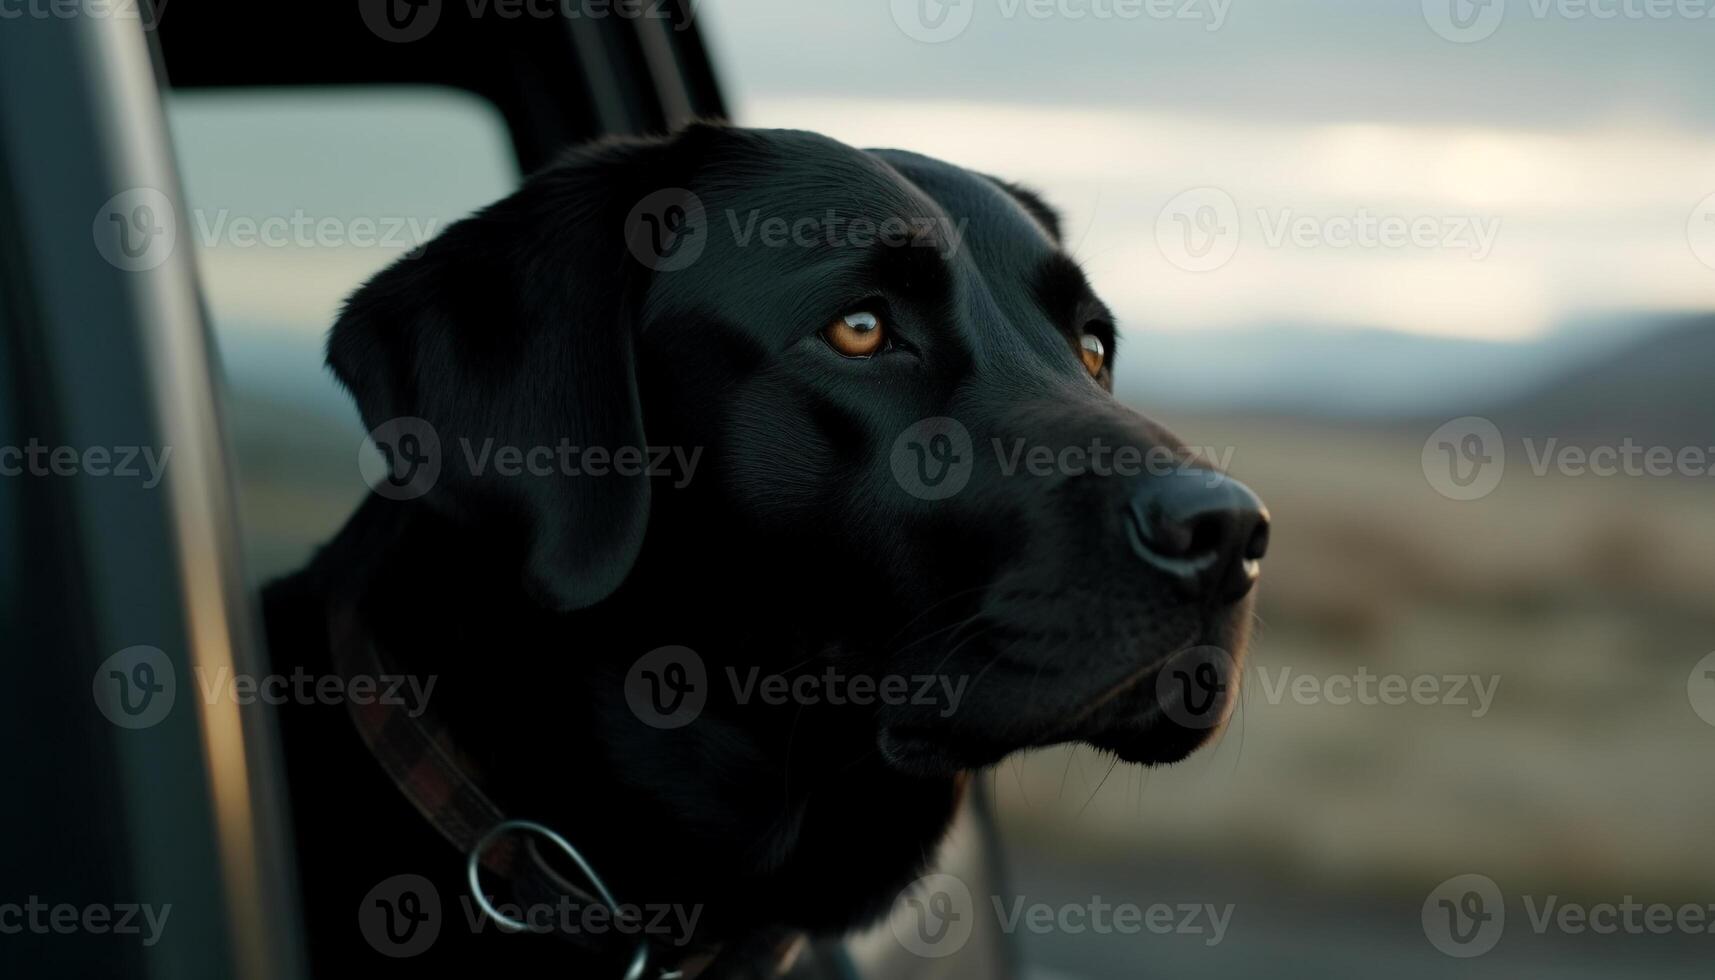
[[1296, 370], [1648, 365], [1658, 390]]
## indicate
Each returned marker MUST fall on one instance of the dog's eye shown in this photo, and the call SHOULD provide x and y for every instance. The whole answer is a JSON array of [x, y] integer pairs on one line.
[[856, 334], [1094, 354]]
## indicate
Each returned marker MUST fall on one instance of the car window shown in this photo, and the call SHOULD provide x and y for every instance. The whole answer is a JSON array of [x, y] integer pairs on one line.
[[295, 198]]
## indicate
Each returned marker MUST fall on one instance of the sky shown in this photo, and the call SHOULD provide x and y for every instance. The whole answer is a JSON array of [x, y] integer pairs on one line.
[[1223, 165], [1355, 163]]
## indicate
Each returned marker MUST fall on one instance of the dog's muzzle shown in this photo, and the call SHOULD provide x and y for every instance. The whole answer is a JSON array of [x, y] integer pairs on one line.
[[1204, 529]]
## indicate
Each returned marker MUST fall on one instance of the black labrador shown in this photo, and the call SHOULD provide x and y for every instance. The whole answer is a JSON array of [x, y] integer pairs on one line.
[[743, 493]]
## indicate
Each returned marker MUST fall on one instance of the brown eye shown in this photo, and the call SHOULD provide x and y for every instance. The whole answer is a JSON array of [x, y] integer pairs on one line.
[[856, 334], [1094, 354]]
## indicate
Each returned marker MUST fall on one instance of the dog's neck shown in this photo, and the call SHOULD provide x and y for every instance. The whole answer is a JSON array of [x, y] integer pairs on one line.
[[757, 817]]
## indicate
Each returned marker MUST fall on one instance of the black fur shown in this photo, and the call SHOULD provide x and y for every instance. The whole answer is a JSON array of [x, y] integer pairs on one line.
[[792, 549]]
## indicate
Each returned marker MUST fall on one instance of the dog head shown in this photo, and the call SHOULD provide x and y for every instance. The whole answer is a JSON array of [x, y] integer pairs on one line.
[[865, 399]]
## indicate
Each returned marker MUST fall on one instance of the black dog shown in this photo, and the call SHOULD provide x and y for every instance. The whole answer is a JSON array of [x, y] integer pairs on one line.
[[837, 421]]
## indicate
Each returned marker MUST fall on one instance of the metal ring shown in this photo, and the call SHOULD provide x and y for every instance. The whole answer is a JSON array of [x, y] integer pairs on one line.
[[639, 961]]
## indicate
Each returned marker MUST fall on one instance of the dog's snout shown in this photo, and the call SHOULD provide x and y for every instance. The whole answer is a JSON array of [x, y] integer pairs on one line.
[[1204, 528]]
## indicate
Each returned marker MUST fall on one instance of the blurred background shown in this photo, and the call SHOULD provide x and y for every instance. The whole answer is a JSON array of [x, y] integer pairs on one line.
[[1336, 234]]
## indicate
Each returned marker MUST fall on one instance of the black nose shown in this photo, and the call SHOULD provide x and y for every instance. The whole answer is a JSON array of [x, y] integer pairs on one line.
[[1205, 529]]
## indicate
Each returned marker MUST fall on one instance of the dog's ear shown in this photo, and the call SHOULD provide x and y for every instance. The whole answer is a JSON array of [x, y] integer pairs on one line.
[[513, 330], [1038, 208]]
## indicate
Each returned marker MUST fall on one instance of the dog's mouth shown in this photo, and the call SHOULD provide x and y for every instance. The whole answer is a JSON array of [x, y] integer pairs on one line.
[[1156, 714]]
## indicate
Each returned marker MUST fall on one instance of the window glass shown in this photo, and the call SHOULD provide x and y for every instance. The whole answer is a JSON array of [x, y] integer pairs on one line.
[[297, 197]]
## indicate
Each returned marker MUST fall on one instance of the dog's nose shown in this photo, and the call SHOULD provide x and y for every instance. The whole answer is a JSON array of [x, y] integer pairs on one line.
[[1205, 529]]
